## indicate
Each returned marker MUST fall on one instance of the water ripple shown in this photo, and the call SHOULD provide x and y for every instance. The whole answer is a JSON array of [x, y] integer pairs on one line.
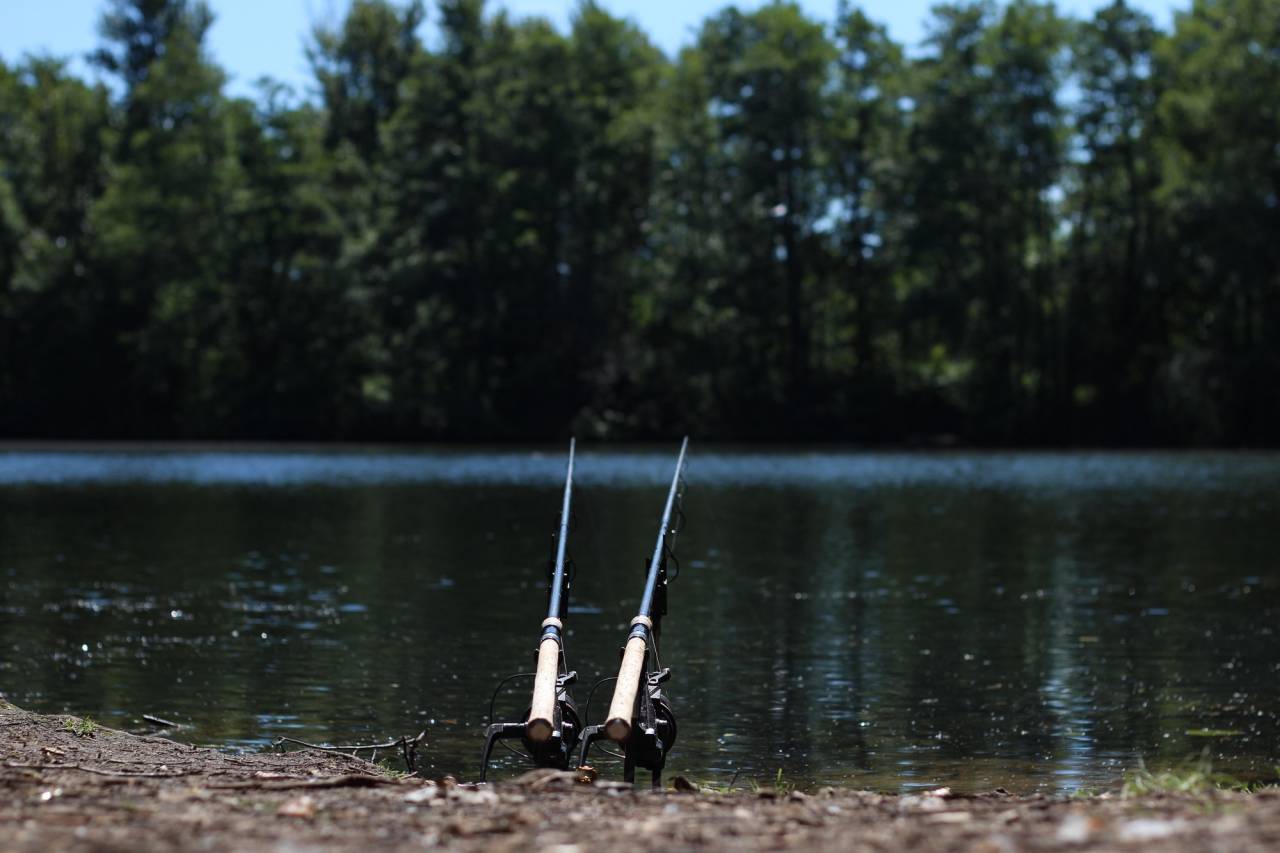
[[1013, 471]]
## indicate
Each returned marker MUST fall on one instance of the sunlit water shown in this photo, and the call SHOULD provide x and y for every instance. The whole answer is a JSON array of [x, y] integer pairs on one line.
[[1032, 621]]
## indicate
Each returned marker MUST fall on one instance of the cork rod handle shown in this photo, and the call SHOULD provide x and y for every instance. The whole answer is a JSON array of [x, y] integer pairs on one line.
[[542, 711], [618, 724]]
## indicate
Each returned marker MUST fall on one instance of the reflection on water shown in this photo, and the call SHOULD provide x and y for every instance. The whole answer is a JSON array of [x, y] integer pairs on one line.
[[1037, 621]]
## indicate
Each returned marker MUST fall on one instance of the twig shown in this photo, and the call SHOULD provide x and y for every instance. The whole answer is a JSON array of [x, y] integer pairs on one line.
[[407, 746], [388, 745], [94, 770], [160, 721], [240, 762], [359, 761]]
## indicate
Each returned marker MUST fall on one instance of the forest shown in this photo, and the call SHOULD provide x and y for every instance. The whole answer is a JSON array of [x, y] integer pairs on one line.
[[1031, 229]]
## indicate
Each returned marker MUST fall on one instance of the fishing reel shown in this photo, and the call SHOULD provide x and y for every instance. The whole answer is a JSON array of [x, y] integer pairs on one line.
[[558, 748], [651, 735]]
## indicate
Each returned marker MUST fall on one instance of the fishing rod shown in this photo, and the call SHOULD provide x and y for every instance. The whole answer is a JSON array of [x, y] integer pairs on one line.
[[551, 726], [641, 720]]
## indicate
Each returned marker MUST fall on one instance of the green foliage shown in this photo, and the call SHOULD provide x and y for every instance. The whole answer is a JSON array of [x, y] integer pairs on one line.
[[1193, 777], [1036, 230], [1217, 110], [778, 786], [80, 727], [393, 769]]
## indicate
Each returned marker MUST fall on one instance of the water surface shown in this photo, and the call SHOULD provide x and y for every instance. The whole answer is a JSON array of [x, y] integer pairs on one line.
[[1033, 621]]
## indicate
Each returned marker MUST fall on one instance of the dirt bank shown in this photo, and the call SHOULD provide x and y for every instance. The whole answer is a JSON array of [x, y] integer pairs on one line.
[[67, 787]]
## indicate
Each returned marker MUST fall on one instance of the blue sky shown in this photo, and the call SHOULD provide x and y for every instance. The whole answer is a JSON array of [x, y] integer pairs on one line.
[[255, 37]]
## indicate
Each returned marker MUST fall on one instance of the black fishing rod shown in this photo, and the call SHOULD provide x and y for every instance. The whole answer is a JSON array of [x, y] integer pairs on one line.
[[551, 725], [641, 720]]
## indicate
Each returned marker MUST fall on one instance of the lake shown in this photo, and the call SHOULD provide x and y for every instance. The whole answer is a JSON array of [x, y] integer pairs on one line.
[[1037, 621]]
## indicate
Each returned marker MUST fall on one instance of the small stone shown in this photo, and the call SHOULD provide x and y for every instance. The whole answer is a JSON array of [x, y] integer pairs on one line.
[[683, 785], [544, 778], [1075, 829], [481, 797], [921, 803], [304, 807], [421, 795], [1146, 829]]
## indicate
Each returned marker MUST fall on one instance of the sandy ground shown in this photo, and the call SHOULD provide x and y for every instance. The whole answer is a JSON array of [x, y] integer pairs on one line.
[[109, 790]]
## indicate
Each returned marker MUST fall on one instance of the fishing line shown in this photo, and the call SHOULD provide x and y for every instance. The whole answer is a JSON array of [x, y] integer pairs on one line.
[[586, 714], [493, 700]]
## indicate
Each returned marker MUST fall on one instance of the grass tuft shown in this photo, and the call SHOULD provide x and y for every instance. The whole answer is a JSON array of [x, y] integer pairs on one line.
[[1194, 777], [392, 769], [80, 727]]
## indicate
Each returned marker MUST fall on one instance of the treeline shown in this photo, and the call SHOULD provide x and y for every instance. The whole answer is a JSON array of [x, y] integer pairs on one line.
[[1033, 229]]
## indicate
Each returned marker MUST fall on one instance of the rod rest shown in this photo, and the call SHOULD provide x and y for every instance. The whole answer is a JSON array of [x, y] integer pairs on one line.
[[652, 735], [557, 750]]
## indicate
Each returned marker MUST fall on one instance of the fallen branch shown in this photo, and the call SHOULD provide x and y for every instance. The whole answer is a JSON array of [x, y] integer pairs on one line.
[[351, 780]]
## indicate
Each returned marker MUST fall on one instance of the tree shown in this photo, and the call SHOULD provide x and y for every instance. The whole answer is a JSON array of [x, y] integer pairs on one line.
[[1220, 118], [1025, 52], [161, 234], [290, 342], [56, 133], [1114, 318], [986, 147], [766, 73], [616, 76], [864, 143], [1037, 230], [361, 67]]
